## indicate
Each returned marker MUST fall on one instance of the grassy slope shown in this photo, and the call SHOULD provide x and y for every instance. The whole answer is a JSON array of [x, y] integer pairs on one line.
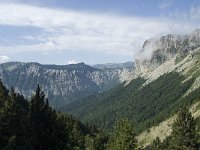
[[164, 128]]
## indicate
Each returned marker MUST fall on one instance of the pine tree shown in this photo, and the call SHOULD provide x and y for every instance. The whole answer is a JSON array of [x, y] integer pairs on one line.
[[36, 118], [39, 121], [156, 145], [184, 136], [123, 137], [89, 143], [46, 130], [76, 136]]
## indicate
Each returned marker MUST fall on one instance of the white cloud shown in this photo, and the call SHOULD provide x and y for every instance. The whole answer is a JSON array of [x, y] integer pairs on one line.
[[72, 62], [67, 30], [4, 59]]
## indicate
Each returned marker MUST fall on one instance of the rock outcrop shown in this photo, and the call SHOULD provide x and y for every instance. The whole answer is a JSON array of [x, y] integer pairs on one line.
[[166, 49]]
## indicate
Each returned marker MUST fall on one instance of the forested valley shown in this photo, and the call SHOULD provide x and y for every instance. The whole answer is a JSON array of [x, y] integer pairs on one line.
[[33, 124], [144, 106]]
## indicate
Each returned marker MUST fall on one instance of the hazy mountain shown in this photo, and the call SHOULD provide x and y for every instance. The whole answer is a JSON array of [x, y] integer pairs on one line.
[[62, 83]]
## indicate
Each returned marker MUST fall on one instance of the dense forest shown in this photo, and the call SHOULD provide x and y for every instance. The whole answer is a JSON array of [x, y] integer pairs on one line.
[[144, 106], [35, 125]]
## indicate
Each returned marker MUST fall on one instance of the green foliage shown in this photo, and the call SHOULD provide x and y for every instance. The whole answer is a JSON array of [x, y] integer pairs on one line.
[[96, 142], [123, 137], [35, 125], [42, 122], [198, 128], [100, 141], [144, 106], [156, 145], [184, 134]]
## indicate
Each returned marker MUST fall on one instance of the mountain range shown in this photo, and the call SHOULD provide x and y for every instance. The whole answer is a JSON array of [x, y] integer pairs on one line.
[[63, 83]]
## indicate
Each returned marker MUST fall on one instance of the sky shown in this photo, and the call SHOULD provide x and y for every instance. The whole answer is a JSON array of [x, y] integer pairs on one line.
[[90, 31]]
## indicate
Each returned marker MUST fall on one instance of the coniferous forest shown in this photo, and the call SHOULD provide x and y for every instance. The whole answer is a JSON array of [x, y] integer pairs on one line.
[[34, 125], [144, 107]]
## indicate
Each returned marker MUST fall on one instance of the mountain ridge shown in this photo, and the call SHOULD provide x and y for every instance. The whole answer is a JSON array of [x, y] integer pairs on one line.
[[62, 83], [169, 50]]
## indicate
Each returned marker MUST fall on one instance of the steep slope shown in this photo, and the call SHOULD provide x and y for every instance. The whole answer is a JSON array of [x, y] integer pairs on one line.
[[63, 84], [144, 106], [159, 86], [164, 128]]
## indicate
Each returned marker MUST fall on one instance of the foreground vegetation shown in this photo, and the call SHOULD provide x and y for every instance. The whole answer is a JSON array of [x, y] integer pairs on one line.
[[35, 125]]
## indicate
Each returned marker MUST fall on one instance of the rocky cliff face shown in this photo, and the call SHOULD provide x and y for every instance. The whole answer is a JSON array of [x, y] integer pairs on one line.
[[156, 52], [122, 70], [62, 84], [170, 53]]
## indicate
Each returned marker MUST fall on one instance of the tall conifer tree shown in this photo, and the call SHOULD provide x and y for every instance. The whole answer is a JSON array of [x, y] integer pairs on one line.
[[123, 137], [184, 136]]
